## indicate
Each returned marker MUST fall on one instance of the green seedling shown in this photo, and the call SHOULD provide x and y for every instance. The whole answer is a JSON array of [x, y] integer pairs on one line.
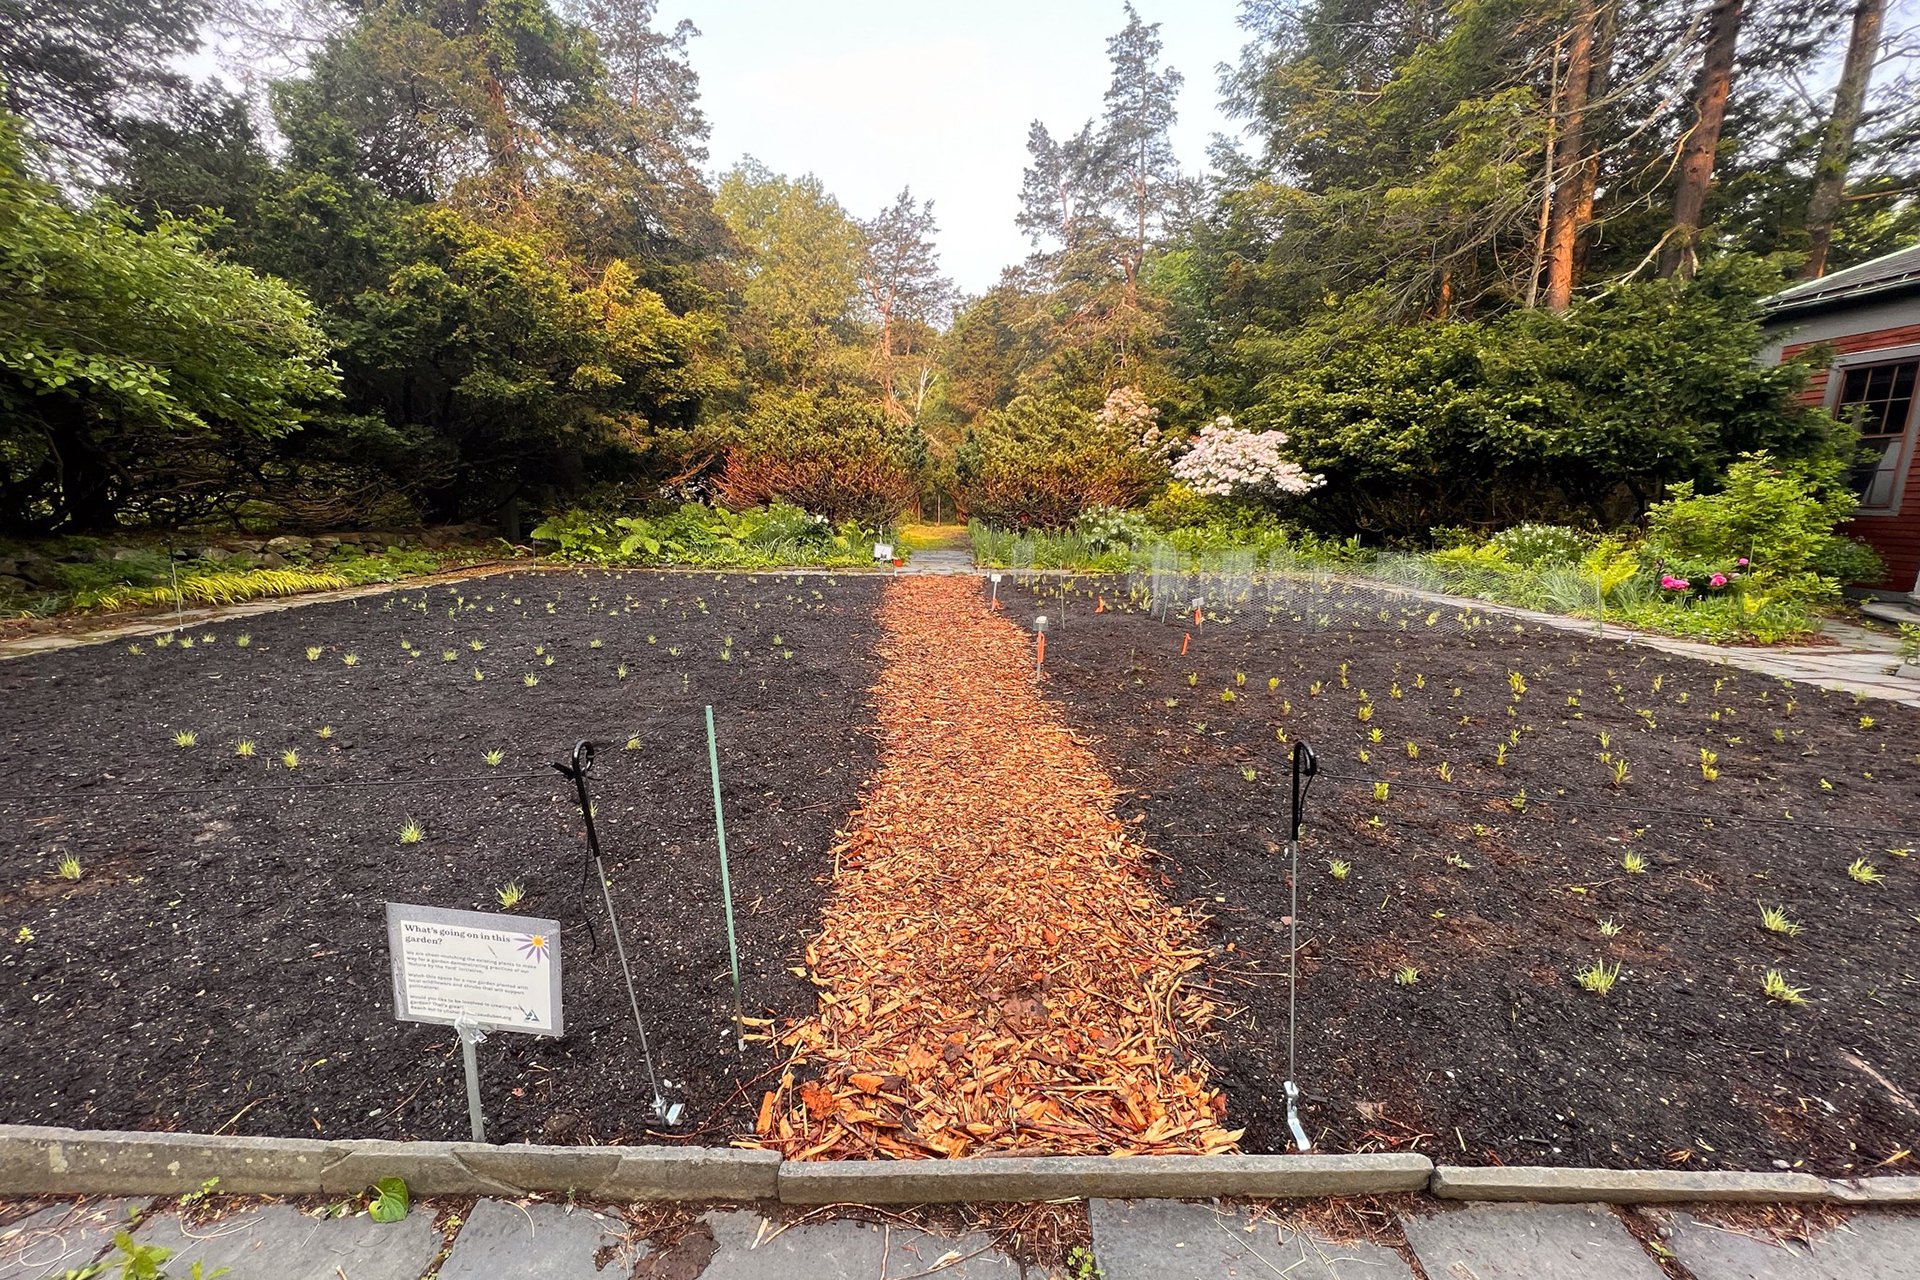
[[244, 748], [1338, 869], [313, 653], [69, 868], [1633, 864], [510, 895], [1599, 977], [1774, 920], [185, 738], [1407, 977], [290, 758], [1865, 872], [1611, 928], [324, 732], [1775, 986], [412, 832], [494, 757], [530, 680]]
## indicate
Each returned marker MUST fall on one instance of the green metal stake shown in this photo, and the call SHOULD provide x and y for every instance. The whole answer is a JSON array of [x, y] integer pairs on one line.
[[726, 885]]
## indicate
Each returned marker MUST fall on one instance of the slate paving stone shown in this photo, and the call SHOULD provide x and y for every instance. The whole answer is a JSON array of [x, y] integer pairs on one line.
[[1870, 1247], [1175, 1240], [748, 1249], [501, 1240], [278, 1242], [1528, 1242], [61, 1237]]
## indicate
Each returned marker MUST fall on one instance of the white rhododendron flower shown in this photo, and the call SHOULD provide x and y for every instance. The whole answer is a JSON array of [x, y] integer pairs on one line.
[[1225, 458]]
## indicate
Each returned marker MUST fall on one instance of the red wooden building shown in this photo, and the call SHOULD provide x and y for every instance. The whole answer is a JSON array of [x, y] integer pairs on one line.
[[1869, 317]]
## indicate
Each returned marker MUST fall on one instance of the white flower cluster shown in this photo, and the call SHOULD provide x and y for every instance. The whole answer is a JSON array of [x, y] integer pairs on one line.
[[1225, 458], [1127, 412]]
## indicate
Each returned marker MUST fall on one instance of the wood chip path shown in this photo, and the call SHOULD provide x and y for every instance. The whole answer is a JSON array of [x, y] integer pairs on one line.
[[995, 972]]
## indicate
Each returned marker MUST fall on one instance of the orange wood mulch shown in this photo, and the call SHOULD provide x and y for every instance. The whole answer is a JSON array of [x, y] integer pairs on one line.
[[995, 972]]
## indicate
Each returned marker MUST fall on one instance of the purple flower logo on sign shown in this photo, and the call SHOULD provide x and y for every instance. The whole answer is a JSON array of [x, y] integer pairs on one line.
[[533, 946]]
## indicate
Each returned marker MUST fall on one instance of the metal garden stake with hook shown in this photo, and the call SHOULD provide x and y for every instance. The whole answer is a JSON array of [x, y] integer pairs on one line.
[[1305, 766], [577, 771]]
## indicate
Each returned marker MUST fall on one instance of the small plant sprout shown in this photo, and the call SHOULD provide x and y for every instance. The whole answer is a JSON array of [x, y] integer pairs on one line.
[[290, 758], [350, 659], [1413, 751], [412, 832], [135, 649], [1598, 977], [1407, 976], [185, 738], [244, 748], [476, 645], [1865, 872], [1500, 754], [594, 643], [1617, 774], [494, 757], [1273, 684], [1633, 864], [478, 675], [539, 649], [633, 743], [1239, 679], [69, 868], [620, 672], [1445, 771], [1379, 791], [530, 680], [1774, 920], [1610, 928], [510, 895], [324, 732], [242, 640], [313, 653], [1776, 988], [1339, 869], [448, 655], [1708, 762]]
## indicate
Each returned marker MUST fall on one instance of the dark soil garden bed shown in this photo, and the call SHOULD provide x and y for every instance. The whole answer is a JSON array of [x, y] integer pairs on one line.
[[221, 963], [1492, 879]]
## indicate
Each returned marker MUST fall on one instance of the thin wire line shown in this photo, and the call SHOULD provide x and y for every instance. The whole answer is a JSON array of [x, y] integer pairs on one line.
[[91, 790], [1607, 806]]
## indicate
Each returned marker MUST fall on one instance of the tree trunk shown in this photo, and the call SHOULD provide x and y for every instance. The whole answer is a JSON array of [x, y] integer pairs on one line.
[[1563, 233], [1547, 180], [1836, 144], [1678, 256], [1598, 85]]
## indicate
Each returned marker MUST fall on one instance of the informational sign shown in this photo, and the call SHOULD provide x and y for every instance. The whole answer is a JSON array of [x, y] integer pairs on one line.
[[494, 972], [883, 551]]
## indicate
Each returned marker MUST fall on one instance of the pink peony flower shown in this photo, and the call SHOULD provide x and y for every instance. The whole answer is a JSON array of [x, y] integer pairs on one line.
[[1742, 562], [1717, 580], [1672, 583]]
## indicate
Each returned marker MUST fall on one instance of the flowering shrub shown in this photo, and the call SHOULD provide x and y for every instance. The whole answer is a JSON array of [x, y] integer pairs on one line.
[[1533, 545], [1225, 459], [1107, 528]]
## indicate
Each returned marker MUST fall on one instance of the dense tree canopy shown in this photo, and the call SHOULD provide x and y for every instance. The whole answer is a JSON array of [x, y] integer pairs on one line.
[[463, 258]]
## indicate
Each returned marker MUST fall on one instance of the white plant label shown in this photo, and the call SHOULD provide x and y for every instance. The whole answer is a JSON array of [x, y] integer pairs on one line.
[[501, 972], [883, 551]]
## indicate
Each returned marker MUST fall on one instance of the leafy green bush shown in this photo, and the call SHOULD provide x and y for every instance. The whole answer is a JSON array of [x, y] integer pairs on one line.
[[1533, 545], [1769, 527], [695, 534], [1108, 528], [1536, 415], [1043, 460], [835, 456]]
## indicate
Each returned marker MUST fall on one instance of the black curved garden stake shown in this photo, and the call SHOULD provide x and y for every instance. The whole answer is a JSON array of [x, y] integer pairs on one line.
[[576, 771], [1305, 766]]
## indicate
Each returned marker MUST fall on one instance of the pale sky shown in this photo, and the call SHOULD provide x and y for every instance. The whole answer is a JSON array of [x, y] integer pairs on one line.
[[870, 96]]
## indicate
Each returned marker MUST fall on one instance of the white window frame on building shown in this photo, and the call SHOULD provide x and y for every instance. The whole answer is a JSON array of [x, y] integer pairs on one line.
[[1885, 485]]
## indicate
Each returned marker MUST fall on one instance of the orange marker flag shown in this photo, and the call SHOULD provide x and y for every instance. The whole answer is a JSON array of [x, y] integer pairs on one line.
[[1101, 604], [1186, 638]]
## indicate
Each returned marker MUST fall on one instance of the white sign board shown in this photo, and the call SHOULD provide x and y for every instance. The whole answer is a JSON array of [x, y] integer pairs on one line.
[[501, 972], [883, 551]]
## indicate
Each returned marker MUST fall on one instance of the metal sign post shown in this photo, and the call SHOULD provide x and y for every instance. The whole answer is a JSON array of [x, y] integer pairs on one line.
[[576, 772], [475, 971], [1305, 766]]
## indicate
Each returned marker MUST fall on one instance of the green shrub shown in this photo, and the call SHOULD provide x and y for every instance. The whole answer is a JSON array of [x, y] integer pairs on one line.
[[1108, 528], [709, 536], [1533, 545]]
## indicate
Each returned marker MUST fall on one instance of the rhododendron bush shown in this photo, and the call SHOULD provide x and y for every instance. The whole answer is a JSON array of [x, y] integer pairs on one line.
[[1226, 460]]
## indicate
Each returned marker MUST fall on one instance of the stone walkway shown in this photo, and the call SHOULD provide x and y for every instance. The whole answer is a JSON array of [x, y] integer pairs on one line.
[[1133, 1240]]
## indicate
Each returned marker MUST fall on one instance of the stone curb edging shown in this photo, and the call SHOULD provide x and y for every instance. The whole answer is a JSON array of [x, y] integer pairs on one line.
[[35, 1160]]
